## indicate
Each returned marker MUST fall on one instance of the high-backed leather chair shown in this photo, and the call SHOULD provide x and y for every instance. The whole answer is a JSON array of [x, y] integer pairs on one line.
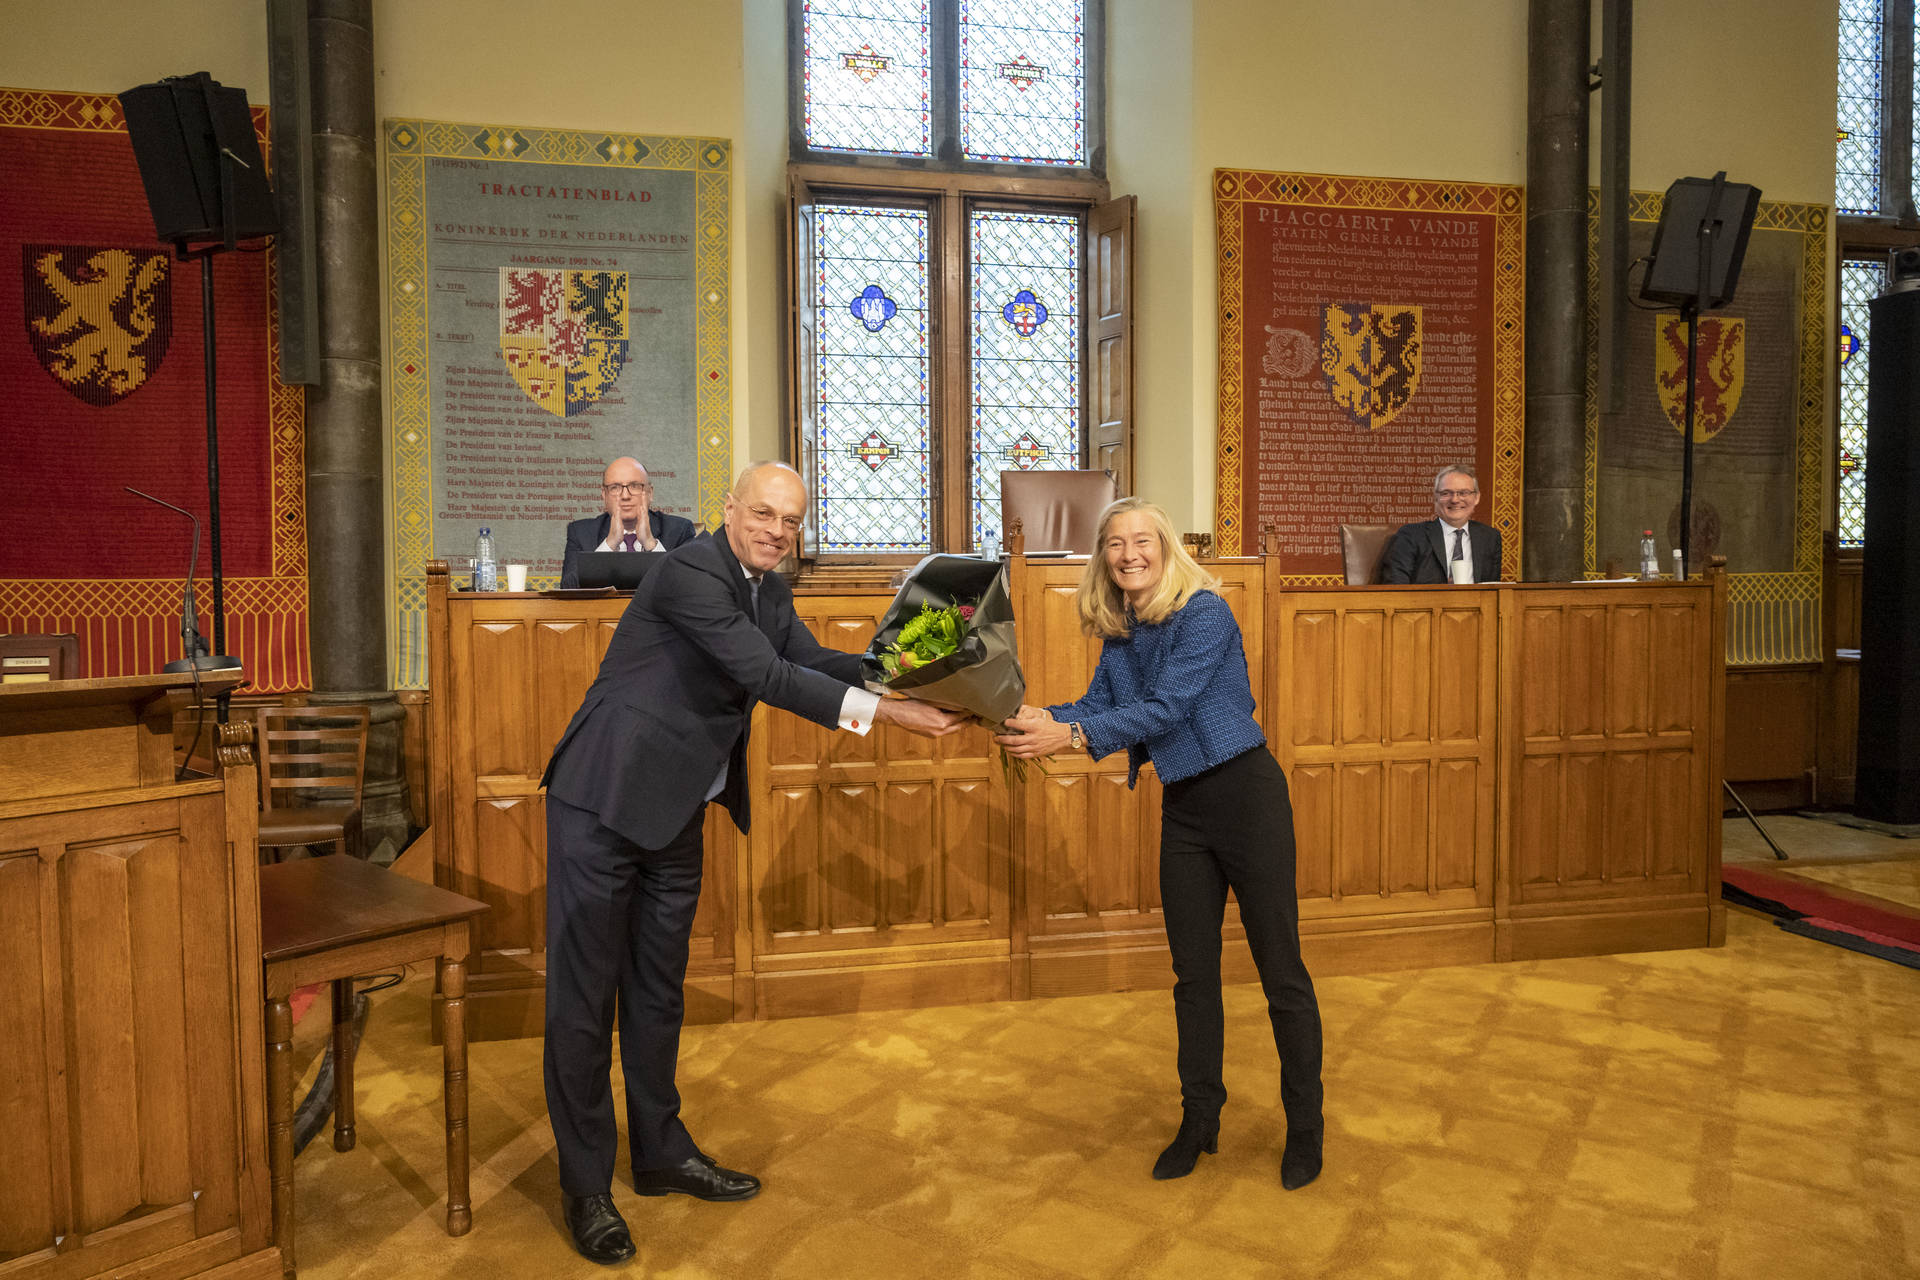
[[304, 751], [1362, 547], [1057, 510]]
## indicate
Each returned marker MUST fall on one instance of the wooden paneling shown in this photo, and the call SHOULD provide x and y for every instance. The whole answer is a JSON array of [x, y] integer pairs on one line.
[[877, 842], [131, 1014], [1393, 792], [1614, 763], [1773, 731], [1475, 772]]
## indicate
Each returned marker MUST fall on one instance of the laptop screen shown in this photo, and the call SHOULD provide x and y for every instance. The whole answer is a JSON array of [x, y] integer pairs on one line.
[[622, 569]]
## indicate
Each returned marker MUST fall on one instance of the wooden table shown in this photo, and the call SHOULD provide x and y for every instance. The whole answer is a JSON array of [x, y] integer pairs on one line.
[[326, 920]]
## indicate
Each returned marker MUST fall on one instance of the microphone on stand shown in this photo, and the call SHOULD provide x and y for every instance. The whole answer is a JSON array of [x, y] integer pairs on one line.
[[193, 648]]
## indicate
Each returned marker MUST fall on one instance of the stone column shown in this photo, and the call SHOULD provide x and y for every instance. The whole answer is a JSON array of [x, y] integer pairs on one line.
[[1554, 513], [346, 524]]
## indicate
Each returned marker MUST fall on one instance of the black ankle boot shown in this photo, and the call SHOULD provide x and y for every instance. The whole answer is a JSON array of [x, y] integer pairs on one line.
[[1300, 1162], [1196, 1134]]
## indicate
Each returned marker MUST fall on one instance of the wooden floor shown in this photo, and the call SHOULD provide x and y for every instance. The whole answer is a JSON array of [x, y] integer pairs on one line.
[[1742, 1112]]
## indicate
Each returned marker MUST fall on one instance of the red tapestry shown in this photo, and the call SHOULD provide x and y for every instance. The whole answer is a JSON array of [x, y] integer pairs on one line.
[[1370, 334], [102, 385]]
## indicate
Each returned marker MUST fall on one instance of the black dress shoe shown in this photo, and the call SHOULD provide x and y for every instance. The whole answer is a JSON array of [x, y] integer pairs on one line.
[[1300, 1162], [599, 1232], [697, 1176], [1196, 1134]]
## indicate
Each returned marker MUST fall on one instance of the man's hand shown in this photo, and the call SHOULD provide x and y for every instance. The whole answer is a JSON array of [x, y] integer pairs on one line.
[[922, 718]]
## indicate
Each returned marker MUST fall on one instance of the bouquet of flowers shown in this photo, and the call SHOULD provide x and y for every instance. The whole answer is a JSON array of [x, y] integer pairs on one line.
[[929, 635], [948, 639]]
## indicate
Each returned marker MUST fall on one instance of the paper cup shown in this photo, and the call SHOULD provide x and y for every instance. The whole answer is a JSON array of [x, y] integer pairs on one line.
[[1462, 571], [516, 577]]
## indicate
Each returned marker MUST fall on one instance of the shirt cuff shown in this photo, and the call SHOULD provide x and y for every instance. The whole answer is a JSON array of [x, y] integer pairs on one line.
[[858, 709]]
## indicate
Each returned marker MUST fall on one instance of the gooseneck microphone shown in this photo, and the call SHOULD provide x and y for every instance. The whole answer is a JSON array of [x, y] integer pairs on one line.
[[193, 649]]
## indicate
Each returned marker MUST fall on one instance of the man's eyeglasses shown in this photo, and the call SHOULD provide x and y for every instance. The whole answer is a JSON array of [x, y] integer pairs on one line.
[[1454, 493], [765, 515], [626, 490]]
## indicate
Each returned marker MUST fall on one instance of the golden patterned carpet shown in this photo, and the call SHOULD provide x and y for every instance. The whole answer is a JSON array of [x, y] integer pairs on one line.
[[1750, 1111]]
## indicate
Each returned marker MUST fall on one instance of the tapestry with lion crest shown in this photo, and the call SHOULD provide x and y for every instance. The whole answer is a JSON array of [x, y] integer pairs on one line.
[[102, 386]]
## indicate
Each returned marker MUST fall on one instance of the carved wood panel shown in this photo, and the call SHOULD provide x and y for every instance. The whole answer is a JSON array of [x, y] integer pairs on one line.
[[1612, 744], [121, 1116], [1391, 747], [875, 841]]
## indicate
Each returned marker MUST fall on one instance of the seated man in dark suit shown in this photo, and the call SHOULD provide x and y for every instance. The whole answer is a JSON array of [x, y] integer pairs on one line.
[[628, 524], [1425, 550], [710, 633]]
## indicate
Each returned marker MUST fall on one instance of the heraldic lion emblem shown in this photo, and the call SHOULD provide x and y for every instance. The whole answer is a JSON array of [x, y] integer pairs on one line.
[[1370, 354], [98, 317]]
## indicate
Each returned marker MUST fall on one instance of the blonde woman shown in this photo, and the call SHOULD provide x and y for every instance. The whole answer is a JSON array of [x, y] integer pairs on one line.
[[1171, 687]]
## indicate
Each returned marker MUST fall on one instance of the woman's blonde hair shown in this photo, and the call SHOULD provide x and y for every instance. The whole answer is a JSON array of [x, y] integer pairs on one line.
[[1103, 608]]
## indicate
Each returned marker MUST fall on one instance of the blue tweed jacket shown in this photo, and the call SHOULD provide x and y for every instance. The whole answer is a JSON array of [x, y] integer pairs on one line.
[[1175, 693]]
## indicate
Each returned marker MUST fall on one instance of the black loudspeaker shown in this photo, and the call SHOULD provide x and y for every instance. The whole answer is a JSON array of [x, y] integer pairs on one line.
[[185, 130], [1673, 275], [1887, 777]]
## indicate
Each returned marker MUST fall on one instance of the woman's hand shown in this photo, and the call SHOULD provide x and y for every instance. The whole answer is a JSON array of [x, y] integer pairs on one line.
[[1032, 733]]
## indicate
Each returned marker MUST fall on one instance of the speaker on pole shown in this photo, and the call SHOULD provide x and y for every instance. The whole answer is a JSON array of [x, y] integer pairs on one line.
[[1695, 264], [199, 159], [200, 162], [1887, 777]]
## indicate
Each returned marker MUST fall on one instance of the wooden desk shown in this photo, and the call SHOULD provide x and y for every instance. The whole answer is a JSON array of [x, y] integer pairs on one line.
[[326, 920], [1497, 772]]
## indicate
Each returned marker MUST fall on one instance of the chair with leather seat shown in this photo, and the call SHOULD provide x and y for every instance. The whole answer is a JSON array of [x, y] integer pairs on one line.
[[1057, 510], [313, 766], [1362, 548]]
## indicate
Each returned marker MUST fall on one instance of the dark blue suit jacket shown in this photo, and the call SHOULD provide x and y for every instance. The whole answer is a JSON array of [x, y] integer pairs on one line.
[[1418, 553], [585, 535], [676, 693]]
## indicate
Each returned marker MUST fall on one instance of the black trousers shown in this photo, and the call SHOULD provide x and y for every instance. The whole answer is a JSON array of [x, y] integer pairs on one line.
[[1232, 827], [618, 919]]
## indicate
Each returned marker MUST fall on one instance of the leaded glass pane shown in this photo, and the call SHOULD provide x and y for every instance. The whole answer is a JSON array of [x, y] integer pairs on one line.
[[1857, 146], [1023, 81], [870, 377], [1860, 283], [1025, 280], [866, 76]]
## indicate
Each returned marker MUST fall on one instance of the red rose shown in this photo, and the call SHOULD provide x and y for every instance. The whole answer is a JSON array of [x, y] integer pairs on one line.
[[966, 613]]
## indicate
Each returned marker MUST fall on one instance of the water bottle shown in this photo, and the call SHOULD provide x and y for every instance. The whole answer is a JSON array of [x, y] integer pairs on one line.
[[990, 545], [1649, 558], [485, 568]]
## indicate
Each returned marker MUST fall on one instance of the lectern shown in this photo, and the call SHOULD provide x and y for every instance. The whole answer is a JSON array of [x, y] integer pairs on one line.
[[134, 1106]]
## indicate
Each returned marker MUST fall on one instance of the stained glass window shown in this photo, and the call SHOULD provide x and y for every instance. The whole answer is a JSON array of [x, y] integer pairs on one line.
[[866, 76], [1025, 315], [871, 373], [963, 82], [1860, 282], [1857, 155], [1023, 81]]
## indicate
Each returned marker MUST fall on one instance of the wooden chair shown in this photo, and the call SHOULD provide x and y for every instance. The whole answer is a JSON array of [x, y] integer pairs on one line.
[[1362, 548], [28, 659], [304, 750]]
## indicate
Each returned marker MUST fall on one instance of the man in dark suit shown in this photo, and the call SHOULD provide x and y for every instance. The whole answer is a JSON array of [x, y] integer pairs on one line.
[[1425, 550], [662, 731], [628, 524]]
